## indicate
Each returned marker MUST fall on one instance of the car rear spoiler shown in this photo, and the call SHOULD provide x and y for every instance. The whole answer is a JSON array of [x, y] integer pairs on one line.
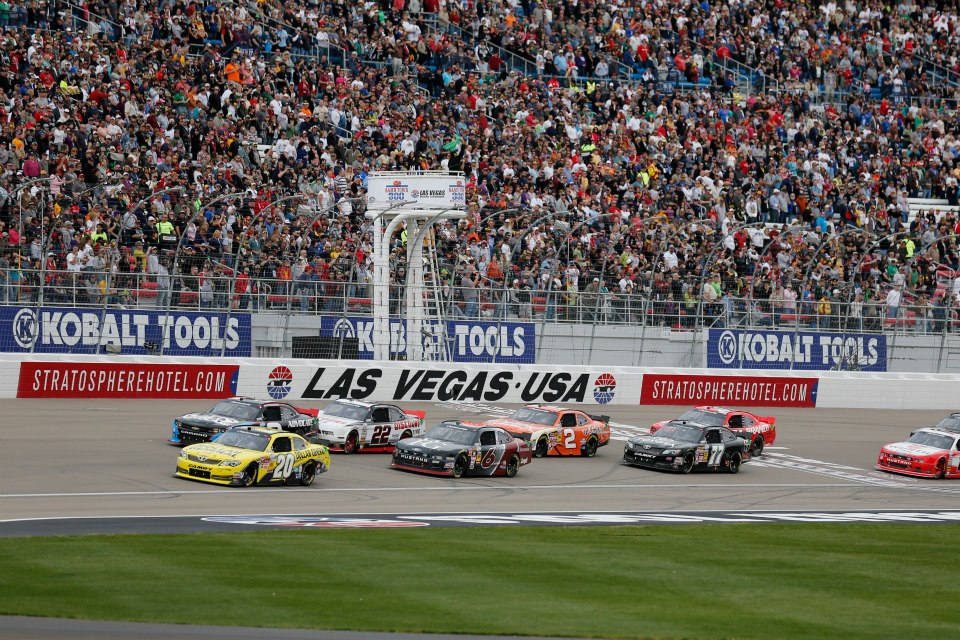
[[310, 411], [420, 414], [771, 420], [603, 419]]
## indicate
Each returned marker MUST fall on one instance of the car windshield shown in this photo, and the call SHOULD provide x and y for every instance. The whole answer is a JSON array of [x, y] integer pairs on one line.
[[681, 432], [344, 410], [709, 418], [950, 422], [536, 416], [931, 440], [244, 440], [450, 433], [238, 410]]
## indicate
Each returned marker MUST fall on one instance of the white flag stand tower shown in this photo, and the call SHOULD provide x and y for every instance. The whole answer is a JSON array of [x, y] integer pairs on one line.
[[416, 199]]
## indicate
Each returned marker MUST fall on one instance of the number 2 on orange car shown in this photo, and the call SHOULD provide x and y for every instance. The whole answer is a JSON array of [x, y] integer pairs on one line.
[[284, 466], [569, 439]]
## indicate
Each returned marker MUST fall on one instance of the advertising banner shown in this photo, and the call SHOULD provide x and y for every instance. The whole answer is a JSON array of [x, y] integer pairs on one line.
[[799, 351], [756, 391], [130, 332], [429, 191], [468, 341], [425, 382], [126, 380]]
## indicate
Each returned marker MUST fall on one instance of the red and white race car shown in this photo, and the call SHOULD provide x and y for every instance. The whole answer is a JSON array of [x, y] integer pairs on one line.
[[759, 431], [928, 453], [351, 425]]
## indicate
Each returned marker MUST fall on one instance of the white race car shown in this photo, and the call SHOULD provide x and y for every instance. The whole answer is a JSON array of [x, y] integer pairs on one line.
[[350, 426]]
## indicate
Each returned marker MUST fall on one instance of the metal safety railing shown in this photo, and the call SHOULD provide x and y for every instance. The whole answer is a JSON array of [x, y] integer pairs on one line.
[[224, 312], [224, 289]]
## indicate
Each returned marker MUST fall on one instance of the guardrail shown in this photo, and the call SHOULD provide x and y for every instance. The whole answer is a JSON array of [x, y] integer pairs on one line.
[[221, 310], [216, 285]]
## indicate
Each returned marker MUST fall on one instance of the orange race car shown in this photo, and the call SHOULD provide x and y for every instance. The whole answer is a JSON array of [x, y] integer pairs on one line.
[[556, 431]]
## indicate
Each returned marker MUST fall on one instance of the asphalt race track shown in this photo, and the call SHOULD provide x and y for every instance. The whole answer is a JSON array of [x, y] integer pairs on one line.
[[104, 466], [76, 467]]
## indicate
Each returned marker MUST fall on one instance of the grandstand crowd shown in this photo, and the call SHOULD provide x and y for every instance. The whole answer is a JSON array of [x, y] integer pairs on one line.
[[618, 156]]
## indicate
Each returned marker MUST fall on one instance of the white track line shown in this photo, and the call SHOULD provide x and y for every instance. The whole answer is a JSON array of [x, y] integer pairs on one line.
[[415, 513], [549, 487]]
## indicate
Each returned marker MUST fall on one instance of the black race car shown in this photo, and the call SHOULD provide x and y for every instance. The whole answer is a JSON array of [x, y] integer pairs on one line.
[[683, 446], [239, 412], [458, 449]]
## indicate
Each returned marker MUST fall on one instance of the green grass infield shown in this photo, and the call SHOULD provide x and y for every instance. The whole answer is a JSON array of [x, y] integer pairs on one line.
[[715, 581]]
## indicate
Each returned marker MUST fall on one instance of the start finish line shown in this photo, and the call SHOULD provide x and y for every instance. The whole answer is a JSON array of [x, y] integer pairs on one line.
[[590, 519]]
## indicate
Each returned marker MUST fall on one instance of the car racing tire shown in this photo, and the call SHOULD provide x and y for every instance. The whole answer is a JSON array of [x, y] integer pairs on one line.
[[733, 462], [250, 475], [308, 474], [351, 443], [941, 469], [757, 447], [460, 466], [688, 463], [406, 434], [513, 465], [540, 450], [589, 448]]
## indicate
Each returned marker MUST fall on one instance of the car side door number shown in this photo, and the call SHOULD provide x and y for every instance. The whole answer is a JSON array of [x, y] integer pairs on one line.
[[714, 453], [284, 466], [492, 455], [569, 438], [381, 434]]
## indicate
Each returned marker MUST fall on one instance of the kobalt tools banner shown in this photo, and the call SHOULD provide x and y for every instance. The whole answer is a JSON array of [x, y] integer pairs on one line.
[[756, 391], [506, 342], [803, 351], [426, 382], [84, 331], [126, 380]]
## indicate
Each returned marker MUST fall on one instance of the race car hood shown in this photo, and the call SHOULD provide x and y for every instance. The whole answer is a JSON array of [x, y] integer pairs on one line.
[[912, 449], [510, 424], [211, 420], [335, 421], [430, 446], [216, 452], [660, 443]]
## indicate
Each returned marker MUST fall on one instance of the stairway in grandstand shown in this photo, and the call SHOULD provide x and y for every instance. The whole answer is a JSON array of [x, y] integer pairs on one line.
[[927, 204]]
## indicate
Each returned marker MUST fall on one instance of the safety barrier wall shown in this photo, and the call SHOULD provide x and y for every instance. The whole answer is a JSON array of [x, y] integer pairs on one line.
[[316, 381]]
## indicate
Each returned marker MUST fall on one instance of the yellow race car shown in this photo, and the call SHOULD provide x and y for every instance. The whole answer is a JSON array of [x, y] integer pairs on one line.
[[249, 456]]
